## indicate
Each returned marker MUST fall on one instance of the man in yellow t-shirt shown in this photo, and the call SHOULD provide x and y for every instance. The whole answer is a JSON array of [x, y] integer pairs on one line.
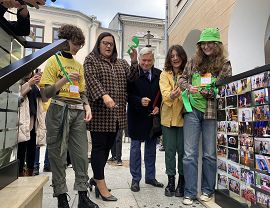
[[63, 81]]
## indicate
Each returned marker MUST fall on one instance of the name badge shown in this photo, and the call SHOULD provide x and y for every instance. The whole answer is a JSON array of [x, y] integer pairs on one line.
[[74, 88], [206, 79]]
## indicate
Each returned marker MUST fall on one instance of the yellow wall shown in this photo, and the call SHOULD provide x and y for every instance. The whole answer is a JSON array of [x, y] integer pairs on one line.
[[201, 14]]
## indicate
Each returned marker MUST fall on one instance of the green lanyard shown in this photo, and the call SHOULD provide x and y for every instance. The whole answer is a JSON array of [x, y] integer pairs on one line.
[[63, 69]]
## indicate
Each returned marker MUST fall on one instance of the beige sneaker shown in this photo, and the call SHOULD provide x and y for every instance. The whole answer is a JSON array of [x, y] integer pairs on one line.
[[205, 197], [187, 200]]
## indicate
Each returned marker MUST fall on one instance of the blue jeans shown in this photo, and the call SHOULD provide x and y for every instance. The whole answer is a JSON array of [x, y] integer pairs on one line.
[[194, 126], [149, 159], [46, 161]]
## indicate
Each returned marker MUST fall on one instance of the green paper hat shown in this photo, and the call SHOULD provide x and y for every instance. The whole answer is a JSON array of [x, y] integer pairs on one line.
[[210, 34]]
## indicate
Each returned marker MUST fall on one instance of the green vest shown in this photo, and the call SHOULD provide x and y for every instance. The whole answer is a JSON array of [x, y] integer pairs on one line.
[[197, 100]]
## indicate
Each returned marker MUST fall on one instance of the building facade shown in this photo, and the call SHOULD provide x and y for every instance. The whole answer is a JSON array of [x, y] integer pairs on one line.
[[129, 26], [244, 27]]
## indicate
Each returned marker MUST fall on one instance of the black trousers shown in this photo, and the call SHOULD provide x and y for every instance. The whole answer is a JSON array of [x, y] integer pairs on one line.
[[27, 151], [102, 142], [116, 150]]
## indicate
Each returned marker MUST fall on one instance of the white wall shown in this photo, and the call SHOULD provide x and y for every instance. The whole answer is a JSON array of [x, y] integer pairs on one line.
[[246, 38]]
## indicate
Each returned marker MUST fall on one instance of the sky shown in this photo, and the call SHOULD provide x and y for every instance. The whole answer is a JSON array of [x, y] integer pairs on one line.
[[105, 10]]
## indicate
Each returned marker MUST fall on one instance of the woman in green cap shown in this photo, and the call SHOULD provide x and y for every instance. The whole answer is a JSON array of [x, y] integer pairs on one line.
[[208, 65]]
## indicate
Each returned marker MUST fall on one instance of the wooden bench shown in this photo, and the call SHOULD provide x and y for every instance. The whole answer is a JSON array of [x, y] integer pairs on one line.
[[25, 192]]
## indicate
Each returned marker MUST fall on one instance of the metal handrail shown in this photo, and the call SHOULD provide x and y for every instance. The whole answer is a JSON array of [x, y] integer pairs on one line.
[[17, 70]]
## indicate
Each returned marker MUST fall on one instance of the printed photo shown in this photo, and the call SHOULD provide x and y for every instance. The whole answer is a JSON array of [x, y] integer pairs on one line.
[[232, 88], [221, 126], [231, 102], [261, 113], [222, 180], [221, 103], [247, 176], [247, 156], [221, 91], [221, 115], [244, 100], [245, 114], [221, 165], [221, 151], [263, 181], [263, 200], [232, 114], [262, 163], [234, 186], [233, 171], [262, 129], [259, 80], [244, 85], [248, 193], [232, 127], [233, 155], [232, 141], [260, 97], [221, 139], [262, 145], [246, 140], [245, 128]]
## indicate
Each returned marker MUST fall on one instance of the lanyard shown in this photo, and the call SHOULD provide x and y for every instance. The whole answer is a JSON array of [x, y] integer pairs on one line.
[[63, 69]]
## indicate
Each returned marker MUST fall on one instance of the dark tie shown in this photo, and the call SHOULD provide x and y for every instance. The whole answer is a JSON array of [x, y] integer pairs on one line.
[[147, 75]]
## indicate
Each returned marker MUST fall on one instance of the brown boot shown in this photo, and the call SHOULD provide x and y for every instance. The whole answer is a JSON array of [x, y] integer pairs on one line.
[[29, 172]]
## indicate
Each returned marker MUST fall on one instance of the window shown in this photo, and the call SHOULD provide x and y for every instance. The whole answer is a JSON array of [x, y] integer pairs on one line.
[[36, 35], [55, 34]]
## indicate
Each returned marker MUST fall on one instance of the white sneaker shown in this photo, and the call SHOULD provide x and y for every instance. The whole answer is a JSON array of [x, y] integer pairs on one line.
[[187, 200], [205, 197]]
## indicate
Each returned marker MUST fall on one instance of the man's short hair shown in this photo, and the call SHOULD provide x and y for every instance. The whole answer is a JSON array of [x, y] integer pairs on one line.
[[146, 50]]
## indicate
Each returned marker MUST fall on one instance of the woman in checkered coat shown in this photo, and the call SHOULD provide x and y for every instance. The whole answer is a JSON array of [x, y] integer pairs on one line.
[[106, 79]]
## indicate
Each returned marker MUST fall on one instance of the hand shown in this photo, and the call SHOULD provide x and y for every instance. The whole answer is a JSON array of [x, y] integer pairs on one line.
[[133, 55], [108, 101], [193, 89], [10, 3], [145, 101], [176, 92], [35, 3], [74, 76], [155, 111], [88, 113], [34, 80]]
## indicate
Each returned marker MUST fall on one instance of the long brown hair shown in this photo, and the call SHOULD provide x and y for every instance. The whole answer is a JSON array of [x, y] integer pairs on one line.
[[213, 63], [181, 53]]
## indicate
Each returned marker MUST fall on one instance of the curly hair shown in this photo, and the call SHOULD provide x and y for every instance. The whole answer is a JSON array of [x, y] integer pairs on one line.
[[180, 53], [213, 63], [71, 32]]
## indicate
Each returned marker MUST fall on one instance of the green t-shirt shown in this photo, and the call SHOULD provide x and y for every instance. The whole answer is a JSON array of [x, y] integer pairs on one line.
[[197, 100]]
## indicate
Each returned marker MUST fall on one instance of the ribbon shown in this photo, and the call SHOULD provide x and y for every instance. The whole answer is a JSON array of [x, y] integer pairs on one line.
[[186, 101], [63, 69], [134, 44]]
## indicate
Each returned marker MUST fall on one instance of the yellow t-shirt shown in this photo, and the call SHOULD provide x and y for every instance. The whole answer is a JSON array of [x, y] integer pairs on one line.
[[52, 73]]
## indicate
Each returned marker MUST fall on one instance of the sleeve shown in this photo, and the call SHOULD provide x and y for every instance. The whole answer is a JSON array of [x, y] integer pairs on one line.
[[82, 80], [132, 71], [184, 81], [165, 89], [49, 75], [94, 87], [25, 88]]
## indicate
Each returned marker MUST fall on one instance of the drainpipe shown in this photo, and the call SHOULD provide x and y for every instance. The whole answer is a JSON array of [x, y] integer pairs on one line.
[[122, 36], [166, 27]]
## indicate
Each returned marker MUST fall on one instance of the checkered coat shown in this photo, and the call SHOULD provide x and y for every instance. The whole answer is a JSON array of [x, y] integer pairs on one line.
[[103, 77]]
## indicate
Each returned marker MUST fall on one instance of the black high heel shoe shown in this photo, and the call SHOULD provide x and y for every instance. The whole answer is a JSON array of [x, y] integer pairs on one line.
[[104, 198], [92, 183]]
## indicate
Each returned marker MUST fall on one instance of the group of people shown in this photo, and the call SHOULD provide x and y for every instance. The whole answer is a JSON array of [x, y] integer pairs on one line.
[[94, 96]]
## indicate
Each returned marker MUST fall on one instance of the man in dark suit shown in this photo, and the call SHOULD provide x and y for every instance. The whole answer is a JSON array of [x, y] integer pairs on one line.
[[141, 108]]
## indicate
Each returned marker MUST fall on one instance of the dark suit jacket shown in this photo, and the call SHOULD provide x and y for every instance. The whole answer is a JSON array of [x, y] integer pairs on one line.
[[139, 120]]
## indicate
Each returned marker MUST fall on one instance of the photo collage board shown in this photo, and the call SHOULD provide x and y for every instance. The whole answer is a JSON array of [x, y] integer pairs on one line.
[[243, 140]]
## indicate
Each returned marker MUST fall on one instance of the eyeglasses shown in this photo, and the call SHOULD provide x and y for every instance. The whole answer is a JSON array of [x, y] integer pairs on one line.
[[106, 43], [203, 44]]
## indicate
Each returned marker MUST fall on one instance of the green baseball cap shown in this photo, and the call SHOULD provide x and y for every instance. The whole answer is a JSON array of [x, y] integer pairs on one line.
[[210, 34]]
